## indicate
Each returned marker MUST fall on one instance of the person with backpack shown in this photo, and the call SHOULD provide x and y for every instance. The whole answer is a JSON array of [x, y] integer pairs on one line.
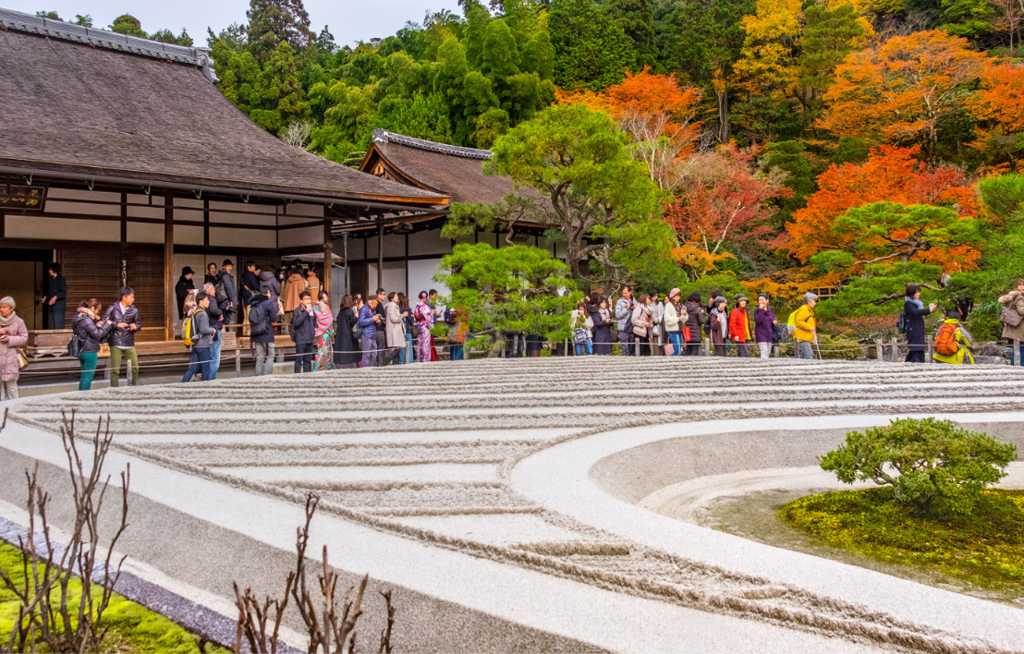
[[805, 327], [1012, 318], [913, 316], [227, 294], [370, 321], [581, 325], [764, 325], [718, 325], [692, 334], [304, 333], [739, 326], [197, 333], [217, 322], [90, 329], [262, 316], [952, 341]]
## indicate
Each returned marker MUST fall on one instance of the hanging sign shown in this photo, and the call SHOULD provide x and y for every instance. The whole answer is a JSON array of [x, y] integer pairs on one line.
[[26, 198]]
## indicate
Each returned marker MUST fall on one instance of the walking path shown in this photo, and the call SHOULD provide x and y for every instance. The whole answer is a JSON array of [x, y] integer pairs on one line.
[[512, 491]]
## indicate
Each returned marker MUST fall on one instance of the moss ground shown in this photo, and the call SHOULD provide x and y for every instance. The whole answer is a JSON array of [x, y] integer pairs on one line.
[[984, 549], [132, 627]]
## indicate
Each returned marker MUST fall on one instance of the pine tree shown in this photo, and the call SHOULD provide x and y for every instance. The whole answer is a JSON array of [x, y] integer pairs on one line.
[[636, 18], [275, 21]]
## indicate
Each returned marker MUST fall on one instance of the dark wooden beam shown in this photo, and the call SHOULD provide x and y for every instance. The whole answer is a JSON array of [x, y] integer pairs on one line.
[[169, 300]]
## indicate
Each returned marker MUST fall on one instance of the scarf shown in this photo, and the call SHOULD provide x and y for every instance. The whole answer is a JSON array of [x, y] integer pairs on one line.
[[606, 315], [7, 322], [917, 303], [324, 318]]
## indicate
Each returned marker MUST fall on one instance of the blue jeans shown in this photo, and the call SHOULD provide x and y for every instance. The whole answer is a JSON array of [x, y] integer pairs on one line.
[[405, 354], [588, 345], [1013, 359], [215, 355], [200, 363], [456, 353], [677, 343]]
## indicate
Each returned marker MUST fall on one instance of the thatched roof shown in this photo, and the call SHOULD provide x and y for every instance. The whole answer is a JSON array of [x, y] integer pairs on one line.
[[78, 101], [449, 169]]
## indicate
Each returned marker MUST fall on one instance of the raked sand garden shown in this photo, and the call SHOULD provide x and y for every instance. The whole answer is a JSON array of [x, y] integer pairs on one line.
[[536, 504]]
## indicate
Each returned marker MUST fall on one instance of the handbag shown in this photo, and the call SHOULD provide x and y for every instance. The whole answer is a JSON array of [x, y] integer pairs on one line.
[[22, 359], [75, 346], [669, 350], [639, 331], [579, 336], [1010, 317], [686, 334]]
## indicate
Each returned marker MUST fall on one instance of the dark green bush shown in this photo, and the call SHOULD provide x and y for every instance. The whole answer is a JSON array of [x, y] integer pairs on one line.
[[924, 460]]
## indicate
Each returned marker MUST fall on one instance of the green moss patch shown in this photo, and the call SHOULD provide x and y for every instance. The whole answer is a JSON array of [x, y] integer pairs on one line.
[[984, 548], [133, 628]]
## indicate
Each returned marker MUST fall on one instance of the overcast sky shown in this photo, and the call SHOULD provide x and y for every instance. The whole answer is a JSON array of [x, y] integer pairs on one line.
[[349, 20]]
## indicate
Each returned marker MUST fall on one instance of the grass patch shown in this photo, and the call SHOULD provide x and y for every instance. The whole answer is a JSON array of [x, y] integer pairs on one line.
[[985, 548], [133, 628]]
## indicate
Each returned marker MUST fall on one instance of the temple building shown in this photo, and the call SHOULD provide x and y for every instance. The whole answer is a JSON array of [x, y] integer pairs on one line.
[[122, 161], [411, 251]]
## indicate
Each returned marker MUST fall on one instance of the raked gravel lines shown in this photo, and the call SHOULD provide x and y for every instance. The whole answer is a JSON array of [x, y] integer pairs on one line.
[[425, 451]]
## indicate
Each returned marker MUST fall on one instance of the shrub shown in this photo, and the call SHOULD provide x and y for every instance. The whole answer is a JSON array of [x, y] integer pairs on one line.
[[924, 460]]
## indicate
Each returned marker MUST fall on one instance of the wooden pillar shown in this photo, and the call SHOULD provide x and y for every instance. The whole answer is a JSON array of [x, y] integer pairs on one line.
[[169, 299], [879, 350], [380, 258], [328, 259], [895, 350]]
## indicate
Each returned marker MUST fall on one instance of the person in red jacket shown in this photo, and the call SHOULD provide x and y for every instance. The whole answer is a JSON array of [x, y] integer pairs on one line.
[[739, 326]]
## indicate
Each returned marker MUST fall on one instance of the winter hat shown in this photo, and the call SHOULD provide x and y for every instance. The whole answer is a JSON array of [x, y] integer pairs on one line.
[[227, 262], [740, 298], [673, 293], [265, 288], [187, 271]]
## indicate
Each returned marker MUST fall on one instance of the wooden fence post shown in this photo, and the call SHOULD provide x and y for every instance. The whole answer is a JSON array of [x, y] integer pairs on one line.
[[879, 350], [1015, 355], [895, 350], [931, 346], [707, 347], [238, 362]]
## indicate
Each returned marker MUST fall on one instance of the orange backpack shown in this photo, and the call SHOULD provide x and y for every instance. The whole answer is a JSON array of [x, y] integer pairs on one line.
[[945, 340]]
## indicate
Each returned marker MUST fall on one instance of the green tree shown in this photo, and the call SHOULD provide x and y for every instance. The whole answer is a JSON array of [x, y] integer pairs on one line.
[[578, 160], [277, 98], [422, 117], [272, 22], [501, 55], [128, 25], [703, 41], [477, 21], [538, 56], [167, 36], [591, 51], [829, 36], [517, 289], [791, 156], [636, 19], [923, 460], [970, 19]]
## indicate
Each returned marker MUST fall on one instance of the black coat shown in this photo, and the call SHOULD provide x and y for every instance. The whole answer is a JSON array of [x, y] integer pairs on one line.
[[181, 292], [59, 290], [122, 338], [89, 332], [250, 285], [915, 323], [346, 347], [303, 326], [215, 315], [270, 306]]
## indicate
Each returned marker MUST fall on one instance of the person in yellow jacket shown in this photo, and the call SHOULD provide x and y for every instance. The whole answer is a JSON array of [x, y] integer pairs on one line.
[[960, 336], [803, 337]]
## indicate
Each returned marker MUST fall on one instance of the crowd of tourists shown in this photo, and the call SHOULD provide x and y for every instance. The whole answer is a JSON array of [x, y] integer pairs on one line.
[[388, 329]]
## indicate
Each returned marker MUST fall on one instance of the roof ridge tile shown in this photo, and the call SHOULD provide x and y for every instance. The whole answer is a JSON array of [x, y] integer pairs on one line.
[[385, 136]]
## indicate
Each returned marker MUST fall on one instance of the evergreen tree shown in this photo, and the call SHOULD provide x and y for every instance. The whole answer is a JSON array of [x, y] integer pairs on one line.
[[830, 35], [277, 21], [128, 25], [501, 55], [591, 51], [422, 117], [477, 20], [636, 18]]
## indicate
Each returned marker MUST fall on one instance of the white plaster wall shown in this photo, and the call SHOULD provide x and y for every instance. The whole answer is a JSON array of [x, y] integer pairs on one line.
[[394, 277], [231, 237], [188, 235], [421, 278], [303, 236], [430, 242], [62, 229], [146, 233]]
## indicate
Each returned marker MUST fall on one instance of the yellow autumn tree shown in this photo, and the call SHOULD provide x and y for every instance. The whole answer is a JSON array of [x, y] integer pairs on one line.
[[772, 34]]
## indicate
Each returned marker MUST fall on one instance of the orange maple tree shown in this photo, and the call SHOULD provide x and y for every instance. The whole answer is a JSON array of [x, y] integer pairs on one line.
[[900, 90], [999, 108], [657, 113], [890, 174]]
